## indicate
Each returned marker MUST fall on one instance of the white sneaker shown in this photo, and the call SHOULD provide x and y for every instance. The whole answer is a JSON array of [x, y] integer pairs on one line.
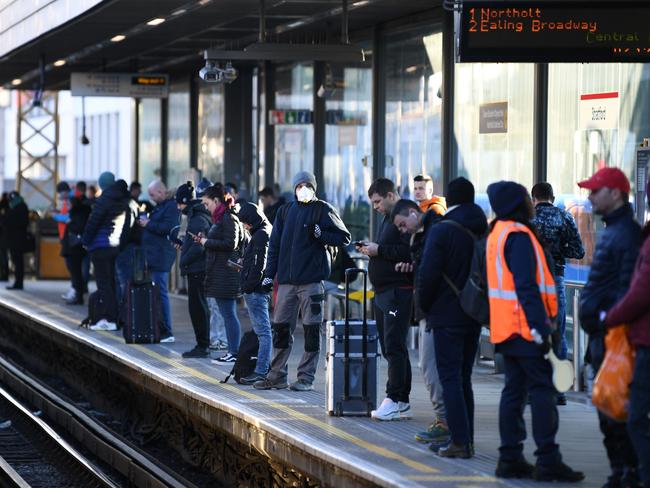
[[71, 294], [104, 324], [404, 410], [168, 339], [388, 410]]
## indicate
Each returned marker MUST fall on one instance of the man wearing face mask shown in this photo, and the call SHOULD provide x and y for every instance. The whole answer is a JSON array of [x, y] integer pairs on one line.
[[300, 259]]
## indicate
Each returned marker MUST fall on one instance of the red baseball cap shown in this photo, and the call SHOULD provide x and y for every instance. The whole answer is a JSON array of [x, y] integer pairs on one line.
[[607, 177]]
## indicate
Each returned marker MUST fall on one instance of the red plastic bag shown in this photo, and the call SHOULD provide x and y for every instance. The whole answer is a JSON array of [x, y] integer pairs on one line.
[[611, 393]]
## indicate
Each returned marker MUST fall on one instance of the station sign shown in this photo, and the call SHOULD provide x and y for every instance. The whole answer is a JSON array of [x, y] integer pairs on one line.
[[290, 117], [547, 32], [599, 110], [493, 118], [134, 85]]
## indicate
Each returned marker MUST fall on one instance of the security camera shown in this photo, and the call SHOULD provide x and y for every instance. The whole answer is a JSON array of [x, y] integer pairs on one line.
[[229, 73], [211, 72]]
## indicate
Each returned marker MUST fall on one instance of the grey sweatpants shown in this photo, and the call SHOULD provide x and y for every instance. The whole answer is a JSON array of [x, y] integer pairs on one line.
[[427, 363]]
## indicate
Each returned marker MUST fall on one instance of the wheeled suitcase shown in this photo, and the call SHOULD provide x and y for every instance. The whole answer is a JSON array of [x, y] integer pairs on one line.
[[352, 359], [142, 314]]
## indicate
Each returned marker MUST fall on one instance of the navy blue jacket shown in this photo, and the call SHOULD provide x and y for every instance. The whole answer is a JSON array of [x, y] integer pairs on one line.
[[256, 252], [109, 220], [448, 250], [192, 258], [159, 250], [611, 271], [295, 254], [393, 247], [522, 263]]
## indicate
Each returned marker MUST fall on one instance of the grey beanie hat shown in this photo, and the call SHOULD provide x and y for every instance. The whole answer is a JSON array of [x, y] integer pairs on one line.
[[304, 177]]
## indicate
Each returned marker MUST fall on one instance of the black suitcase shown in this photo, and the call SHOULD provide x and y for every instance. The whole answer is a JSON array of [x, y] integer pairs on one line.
[[142, 314], [352, 360]]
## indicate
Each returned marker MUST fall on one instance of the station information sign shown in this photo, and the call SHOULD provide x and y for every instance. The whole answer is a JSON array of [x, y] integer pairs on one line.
[[546, 32], [136, 85]]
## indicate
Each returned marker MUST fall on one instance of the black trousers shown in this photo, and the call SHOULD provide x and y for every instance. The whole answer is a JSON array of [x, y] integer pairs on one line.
[[18, 258], [104, 264], [532, 374], [393, 312], [75, 266], [199, 311]]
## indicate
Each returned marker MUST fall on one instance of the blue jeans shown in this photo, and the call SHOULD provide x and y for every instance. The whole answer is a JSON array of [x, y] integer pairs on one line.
[[228, 309], [638, 423], [455, 353], [258, 310], [161, 279], [561, 349]]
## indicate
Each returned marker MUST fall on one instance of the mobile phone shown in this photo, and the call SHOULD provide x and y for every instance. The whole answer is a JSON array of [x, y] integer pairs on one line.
[[191, 234], [177, 241], [359, 243]]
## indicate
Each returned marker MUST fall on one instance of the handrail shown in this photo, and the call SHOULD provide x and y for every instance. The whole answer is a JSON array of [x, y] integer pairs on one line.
[[578, 334]]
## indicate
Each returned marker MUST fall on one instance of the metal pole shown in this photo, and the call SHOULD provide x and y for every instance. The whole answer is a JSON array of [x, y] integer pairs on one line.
[[577, 349], [344, 22], [262, 33]]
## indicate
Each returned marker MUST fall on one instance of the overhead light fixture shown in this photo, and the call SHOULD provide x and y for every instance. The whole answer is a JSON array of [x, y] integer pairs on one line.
[[16, 81], [156, 21], [118, 38], [411, 69], [180, 11], [59, 62]]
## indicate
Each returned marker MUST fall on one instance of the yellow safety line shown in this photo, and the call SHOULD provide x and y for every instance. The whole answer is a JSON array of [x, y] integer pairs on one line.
[[387, 453], [443, 478]]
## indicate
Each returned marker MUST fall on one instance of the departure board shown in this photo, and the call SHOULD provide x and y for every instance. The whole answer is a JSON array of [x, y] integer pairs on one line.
[[546, 32]]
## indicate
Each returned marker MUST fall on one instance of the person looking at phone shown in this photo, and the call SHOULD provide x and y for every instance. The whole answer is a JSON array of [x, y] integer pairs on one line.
[[393, 300], [192, 265], [224, 241], [300, 259], [160, 253], [523, 301]]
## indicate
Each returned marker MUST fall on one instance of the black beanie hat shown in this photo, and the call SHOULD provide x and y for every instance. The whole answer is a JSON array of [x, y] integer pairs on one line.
[[506, 196], [62, 186], [459, 191], [185, 193]]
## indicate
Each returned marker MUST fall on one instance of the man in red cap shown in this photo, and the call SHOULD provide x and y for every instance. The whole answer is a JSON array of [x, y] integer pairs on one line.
[[609, 278]]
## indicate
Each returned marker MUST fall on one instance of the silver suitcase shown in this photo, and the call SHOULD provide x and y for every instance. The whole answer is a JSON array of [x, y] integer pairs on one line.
[[352, 360]]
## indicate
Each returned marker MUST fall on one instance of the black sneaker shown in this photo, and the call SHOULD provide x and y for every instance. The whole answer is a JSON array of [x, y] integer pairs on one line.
[[557, 472], [514, 469], [267, 384], [561, 399], [226, 358], [197, 352], [452, 450], [251, 378]]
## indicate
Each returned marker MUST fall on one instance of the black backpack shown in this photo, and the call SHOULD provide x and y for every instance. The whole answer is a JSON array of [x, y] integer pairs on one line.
[[473, 296], [246, 358]]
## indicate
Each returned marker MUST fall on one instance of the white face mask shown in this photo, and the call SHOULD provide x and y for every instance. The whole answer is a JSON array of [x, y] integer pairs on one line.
[[305, 194]]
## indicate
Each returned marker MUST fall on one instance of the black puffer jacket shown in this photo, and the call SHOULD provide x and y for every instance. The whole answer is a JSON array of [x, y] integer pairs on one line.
[[611, 269], [15, 226], [109, 221], [448, 250], [192, 253], [79, 213], [255, 255], [225, 240]]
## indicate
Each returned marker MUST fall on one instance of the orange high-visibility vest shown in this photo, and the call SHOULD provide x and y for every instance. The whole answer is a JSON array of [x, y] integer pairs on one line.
[[436, 203], [507, 317]]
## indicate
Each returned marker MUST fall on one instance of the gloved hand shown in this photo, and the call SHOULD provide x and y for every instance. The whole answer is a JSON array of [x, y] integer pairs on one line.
[[545, 346], [267, 284], [315, 230]]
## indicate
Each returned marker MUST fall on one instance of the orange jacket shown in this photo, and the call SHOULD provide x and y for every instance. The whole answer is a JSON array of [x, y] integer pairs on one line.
[[507, 317], [436, 204]]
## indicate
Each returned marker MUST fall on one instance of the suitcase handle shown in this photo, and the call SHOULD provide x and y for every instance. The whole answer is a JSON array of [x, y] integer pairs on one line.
[[364, 333]]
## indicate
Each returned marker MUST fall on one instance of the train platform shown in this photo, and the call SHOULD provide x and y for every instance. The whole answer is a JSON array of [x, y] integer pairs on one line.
[[283, 423]]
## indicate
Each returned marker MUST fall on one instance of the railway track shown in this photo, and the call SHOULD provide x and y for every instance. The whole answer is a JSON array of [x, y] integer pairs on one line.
[[32, 453]]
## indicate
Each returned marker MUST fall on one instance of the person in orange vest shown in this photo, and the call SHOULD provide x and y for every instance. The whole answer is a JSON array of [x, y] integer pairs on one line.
[[423, 194], [523, 302]]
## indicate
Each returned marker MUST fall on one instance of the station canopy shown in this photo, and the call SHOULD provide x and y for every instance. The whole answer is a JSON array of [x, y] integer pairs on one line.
[[166, 36]]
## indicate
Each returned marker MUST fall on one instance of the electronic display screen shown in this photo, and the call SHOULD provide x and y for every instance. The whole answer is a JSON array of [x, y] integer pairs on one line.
[[546, 32]]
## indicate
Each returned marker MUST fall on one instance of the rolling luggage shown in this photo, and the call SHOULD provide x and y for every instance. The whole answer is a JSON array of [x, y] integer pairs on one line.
[[352, 360], [142, 314]]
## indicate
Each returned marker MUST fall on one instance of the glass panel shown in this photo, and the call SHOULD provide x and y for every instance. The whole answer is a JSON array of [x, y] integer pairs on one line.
[[178, 169], [211, 131], [575, 151], [413, 81], [294, 144], [487, 157], [348, 146], [149, 140]]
